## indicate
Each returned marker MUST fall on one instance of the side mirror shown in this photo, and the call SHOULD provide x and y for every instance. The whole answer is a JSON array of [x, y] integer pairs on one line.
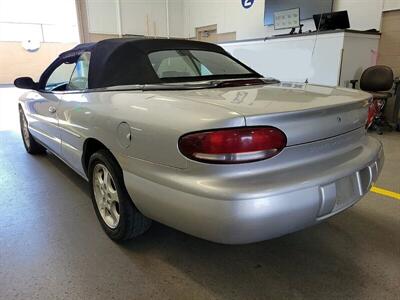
[[25, 83]]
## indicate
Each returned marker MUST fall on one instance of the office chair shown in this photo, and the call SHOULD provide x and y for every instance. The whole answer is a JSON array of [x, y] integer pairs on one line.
[[378, 81], [396, 108]]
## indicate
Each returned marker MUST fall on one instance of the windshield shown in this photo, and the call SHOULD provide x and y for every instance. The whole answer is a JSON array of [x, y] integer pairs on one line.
[[195, 63]]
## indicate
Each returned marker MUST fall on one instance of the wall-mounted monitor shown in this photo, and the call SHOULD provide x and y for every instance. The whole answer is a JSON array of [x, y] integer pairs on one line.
[[308, 8], [288, 18]]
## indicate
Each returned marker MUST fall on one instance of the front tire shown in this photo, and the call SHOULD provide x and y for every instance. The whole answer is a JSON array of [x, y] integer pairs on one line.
[[117, 214], [31, 146]]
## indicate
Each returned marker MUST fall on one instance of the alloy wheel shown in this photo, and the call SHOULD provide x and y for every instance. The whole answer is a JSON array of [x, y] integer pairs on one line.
[[25, 130], [106, 195]]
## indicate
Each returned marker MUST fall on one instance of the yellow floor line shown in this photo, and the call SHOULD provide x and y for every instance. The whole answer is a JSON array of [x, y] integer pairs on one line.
[[385, 192]]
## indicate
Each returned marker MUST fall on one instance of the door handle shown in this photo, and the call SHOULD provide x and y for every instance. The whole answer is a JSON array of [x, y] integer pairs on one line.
[[52, 109]]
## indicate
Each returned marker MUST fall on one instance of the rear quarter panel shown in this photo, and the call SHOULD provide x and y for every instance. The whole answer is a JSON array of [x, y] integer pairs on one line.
[[156, 123]]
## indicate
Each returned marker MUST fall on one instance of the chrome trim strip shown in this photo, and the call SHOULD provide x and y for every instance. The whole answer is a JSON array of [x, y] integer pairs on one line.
[[189, 85], [232, 157]]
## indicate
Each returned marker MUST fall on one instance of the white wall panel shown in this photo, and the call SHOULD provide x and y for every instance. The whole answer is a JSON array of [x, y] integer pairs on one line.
[[24, 19], [20, 32], [176, 18], [391, 4], [158, 17], [133, 16], [363, 14], [38, 11], [102, 16], [149, 17], [60, 33]]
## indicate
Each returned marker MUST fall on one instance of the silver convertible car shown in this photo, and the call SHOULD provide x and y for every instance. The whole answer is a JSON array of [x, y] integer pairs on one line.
[[183, 133]]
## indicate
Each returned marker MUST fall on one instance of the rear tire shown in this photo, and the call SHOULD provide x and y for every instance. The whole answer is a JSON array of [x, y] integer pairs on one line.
[[117, 214], [31, 146]]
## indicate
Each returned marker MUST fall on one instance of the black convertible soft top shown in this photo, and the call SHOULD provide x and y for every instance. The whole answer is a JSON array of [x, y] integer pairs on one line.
[[124, 61]]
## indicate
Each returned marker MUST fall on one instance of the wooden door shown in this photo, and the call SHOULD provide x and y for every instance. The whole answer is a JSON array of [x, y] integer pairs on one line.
[[389, 52], [389, 45]]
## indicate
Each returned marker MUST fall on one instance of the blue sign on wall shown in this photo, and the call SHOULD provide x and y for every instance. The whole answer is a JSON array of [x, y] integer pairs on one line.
[[247, 3]]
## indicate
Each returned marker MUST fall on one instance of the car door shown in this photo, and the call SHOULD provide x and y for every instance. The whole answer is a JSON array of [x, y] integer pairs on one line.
[[43, 105], [73, 114]]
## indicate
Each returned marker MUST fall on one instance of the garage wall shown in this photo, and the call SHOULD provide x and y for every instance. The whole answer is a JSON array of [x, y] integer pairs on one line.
[[48, 23], [138, 17], [15, 61], [40, 20], [102, 16], [391, 5], [176, 18], [389, 46], [389, 49], [230, 16], [149, 17]]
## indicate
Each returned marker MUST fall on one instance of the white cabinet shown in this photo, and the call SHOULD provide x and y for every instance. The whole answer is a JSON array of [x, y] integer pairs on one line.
[[139, 17], [102, 16], [134, 17], [329, 58], [143, 17]]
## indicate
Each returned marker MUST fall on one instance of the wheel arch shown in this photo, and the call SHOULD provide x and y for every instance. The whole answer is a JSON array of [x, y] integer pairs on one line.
[[90, 146], [20, 107]]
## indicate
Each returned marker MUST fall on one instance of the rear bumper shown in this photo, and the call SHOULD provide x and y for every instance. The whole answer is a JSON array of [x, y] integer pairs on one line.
[[189, 204]]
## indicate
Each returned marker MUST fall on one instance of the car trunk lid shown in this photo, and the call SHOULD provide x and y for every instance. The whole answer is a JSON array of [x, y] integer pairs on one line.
[[304, 112]]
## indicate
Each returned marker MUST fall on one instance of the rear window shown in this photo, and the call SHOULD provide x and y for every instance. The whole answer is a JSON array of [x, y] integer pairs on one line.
[[194, 63]]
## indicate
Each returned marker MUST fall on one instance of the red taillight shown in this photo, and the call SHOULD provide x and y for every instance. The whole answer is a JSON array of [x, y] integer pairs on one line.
[[235, 145], [372, 111]]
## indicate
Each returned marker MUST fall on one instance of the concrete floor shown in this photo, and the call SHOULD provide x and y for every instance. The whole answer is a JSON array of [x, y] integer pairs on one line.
[[52, 246]]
